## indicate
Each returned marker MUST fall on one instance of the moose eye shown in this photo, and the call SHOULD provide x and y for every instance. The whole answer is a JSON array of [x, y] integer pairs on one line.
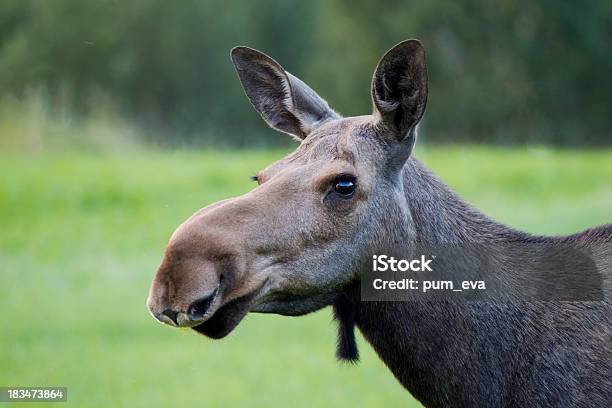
[[345, 186]]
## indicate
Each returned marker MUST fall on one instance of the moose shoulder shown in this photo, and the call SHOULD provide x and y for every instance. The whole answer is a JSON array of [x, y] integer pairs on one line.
[[296, 244]]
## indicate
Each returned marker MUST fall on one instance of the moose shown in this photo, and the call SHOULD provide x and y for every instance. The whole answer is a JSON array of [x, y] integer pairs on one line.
[[295, 244]]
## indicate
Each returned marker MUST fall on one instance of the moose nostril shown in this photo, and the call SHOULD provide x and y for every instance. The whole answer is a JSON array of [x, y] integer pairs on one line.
[[201, 306], [172, 315]]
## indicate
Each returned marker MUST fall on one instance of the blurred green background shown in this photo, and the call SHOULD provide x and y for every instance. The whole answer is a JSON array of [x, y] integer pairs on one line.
[[118, 120], [82, 235]]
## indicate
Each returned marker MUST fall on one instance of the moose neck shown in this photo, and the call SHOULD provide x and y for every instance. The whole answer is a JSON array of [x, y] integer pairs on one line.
[[427, 345], [442, 217]]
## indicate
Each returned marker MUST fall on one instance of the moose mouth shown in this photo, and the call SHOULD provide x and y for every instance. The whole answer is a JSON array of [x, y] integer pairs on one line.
[[226, 318]]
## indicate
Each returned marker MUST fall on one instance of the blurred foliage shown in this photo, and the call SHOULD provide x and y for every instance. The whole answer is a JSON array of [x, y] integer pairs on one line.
[[500, 71]]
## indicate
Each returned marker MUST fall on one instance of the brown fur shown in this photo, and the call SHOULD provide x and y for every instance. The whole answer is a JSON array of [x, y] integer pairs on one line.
[[295, 244]]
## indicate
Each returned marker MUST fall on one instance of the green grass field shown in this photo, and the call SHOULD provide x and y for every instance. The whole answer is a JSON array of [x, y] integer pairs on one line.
[[81, 236]]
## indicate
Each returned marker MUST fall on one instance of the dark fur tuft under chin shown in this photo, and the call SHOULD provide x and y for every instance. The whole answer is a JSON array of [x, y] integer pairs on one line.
[[345, 313]]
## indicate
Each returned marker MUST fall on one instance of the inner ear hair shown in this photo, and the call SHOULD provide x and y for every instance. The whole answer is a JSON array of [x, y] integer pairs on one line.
[[285, 102], [345, 314]]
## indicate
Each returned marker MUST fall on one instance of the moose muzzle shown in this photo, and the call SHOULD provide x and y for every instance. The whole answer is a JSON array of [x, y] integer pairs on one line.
[[203, 267]]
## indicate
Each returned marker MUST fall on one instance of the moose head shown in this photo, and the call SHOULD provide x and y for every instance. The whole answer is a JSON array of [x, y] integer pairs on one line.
[[294, 242]]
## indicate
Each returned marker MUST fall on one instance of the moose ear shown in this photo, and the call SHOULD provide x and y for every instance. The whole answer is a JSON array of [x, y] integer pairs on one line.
[[283, 101], [399, 89]]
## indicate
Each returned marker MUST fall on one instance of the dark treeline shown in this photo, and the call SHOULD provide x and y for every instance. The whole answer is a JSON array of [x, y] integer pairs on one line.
[[501, 71]]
